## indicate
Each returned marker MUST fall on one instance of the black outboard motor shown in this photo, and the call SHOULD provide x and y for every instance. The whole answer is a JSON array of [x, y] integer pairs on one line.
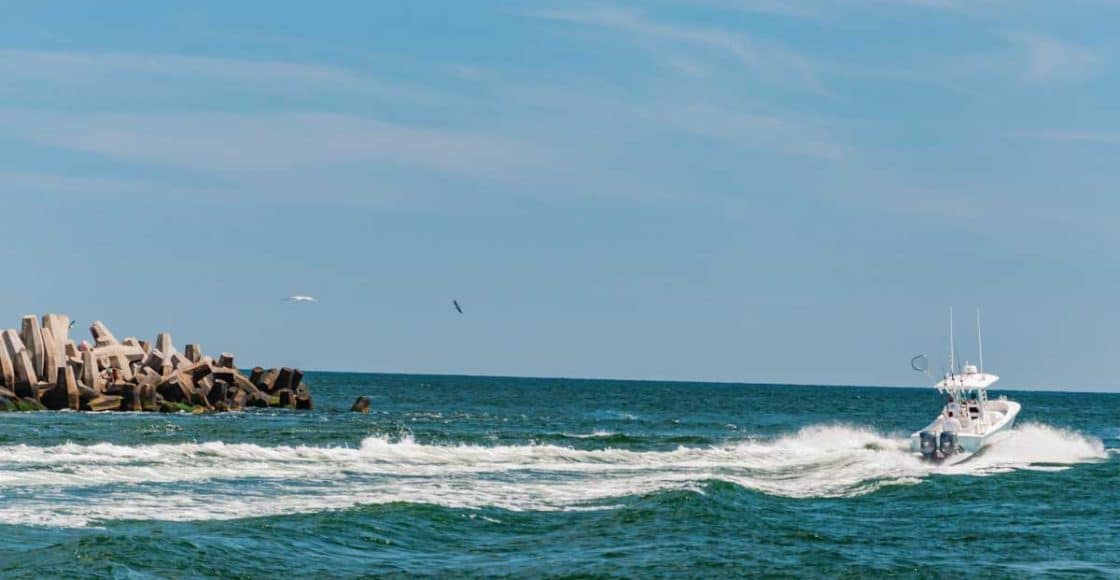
[[927, 444], [948, 444]]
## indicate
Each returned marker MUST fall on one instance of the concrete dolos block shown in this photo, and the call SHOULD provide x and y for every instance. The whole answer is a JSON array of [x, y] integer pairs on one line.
[[32, 336], [91, 374], [24, 369], [7, 368], [101, 334]]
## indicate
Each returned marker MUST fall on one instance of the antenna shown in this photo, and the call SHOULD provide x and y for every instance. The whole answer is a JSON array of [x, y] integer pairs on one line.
[[979, 339], [952, 350]]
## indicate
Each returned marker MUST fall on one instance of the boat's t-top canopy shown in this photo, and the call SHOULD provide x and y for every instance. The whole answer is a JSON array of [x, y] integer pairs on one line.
[[970, 379]]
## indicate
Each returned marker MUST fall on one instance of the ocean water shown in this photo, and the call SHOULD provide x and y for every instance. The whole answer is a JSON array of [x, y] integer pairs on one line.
[[533, 477]]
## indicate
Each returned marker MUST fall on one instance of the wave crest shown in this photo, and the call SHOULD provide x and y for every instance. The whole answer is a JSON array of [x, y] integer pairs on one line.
[[192, 481]]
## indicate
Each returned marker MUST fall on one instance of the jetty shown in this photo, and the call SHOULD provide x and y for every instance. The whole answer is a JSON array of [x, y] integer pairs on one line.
[[42, 368]]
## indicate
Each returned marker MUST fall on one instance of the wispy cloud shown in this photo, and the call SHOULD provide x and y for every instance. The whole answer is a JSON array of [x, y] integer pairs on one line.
[[280, 156], [771, 61]]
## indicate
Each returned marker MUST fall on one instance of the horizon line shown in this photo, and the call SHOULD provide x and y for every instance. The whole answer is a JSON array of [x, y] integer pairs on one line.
[[684, 381]]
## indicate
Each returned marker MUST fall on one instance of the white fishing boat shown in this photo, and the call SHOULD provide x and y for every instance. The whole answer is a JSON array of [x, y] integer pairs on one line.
[[969, 418]]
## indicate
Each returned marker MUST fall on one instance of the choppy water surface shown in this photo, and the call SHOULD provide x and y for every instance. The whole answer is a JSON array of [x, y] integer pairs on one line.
[[499, 476]]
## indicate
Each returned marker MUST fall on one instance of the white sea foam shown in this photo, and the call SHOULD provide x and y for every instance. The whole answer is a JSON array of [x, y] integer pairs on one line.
[[76, 485]]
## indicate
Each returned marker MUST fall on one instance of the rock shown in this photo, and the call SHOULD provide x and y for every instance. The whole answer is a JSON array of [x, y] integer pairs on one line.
[[239, 400], [130, 398], [118, 356], [52, 357], [29, 391], [153, 359], [91, 374], [219, 395], [225, 361], [135, 352], [200, 399], [148, 400], [198, 371], [268, 380], [164, 344], [56, 336], [255, 375], [72, 352], [303, 402], [101, 334], [193, 352], [283, 381], [146, 376], [85, 393], [204, 385], [244, 385], [7, 368], [179, 360], [225, 375], [361, 405], [259, 400], [171, 355], [103, 403], [25, 370], [59, 325], [64, 394], [286, 398], [173, 390], [76, 365], [32, 336]]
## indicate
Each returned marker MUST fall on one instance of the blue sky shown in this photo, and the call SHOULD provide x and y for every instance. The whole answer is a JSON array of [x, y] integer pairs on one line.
[[738, 190]]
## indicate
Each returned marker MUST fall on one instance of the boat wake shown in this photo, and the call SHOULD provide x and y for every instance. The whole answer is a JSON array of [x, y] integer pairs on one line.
[[81, 485]]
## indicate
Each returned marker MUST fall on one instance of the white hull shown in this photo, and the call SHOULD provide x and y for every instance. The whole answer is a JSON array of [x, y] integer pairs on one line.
[[999, 415]]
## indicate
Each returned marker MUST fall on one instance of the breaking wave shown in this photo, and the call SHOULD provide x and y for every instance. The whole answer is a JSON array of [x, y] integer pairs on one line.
[[80, 485]]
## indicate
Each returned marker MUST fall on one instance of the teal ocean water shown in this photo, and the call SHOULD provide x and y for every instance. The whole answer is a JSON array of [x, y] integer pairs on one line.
[[531, 477]]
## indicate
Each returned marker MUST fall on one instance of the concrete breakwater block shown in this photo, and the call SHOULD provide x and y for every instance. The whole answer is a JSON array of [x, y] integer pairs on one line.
[[24, 370], [32, 336], [42, 367], [64, 394]]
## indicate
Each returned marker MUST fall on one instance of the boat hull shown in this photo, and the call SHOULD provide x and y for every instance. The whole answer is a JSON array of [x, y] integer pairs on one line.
[[971, 442]]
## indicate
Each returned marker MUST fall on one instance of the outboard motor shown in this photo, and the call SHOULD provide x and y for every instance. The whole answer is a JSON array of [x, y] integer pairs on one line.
[[927, 444], [948, 444]]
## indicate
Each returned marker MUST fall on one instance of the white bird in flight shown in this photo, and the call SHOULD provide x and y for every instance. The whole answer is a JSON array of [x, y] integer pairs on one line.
[[301, 298]]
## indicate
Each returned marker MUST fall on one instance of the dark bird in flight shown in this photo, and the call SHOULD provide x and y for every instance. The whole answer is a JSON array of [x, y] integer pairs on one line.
[[457, 307]]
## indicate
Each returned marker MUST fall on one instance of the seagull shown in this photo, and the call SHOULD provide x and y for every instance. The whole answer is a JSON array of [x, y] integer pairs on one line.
[[457, 307], [301, 298]]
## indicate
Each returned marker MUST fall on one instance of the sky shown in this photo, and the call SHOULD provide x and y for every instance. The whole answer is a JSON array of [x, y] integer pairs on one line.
[[724, 190]]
